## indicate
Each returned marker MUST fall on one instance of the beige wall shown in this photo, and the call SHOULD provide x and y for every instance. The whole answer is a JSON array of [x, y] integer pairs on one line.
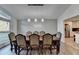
[[75, 24]]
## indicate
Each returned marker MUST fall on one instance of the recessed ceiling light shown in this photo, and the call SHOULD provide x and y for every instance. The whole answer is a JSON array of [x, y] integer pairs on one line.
[[35, 20], [42, 20], [28, 19]]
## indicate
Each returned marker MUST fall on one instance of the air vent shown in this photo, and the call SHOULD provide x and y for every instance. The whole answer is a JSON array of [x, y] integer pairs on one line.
[[35, 4]]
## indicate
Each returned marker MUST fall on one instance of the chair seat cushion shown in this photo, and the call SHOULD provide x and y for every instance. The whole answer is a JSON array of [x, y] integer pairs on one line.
[[34, 46], [22, 46], [55, 38], [46, 46]]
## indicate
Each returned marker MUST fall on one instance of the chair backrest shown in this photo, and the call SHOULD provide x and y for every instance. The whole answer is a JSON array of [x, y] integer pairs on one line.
[[58, 35], [28, 33], [11, 36], [34, 39], [47, 39], [42, 33], [36, 32], [21, 40]]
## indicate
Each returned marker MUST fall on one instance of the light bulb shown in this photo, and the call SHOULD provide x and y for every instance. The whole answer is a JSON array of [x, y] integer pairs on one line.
[[42, 20], [29, 20], [35, 20]]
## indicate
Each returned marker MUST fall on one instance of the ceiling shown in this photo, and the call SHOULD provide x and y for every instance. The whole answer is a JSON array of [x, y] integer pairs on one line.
[[72, 19], [23, 11]]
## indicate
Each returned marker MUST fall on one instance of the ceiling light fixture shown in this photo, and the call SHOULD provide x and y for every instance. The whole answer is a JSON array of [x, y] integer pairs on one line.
[[28, 19], [35, 20], [42, 20]]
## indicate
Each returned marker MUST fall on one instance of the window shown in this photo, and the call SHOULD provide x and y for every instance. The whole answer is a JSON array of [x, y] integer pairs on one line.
[[4, 30], [4, 26]]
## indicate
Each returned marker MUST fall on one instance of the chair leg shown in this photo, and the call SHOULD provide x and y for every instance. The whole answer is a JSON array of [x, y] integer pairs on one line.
[[57, 52], [50, 50], [15, 48], [27, 51], [58, 49], [42, 50], [38, 51], [30, 51], [11, 46], [18, 50]]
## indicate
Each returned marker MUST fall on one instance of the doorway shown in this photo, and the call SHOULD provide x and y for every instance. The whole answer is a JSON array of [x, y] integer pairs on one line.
[[67, 30], [4, 30], [69, 25]]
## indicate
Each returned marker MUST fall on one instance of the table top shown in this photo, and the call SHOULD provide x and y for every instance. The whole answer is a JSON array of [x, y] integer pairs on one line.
[[27, 39]]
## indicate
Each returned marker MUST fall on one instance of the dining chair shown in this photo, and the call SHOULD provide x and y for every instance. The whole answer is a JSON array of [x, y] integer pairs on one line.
[[58, 35], [47, 42], [42, 33], [34, 42], [21, 43], [36, 32], [28, 33], [12, 41], [56, 41]]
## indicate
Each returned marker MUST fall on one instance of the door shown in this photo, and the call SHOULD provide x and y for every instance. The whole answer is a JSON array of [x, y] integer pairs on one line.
[[67, 30]]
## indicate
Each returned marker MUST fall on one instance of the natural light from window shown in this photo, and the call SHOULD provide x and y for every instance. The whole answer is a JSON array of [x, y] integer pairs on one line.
[[4, 26]]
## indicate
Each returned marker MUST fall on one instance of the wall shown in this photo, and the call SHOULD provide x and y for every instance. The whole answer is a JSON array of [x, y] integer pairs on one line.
[[5, 15], [4, 40], [49, 26], [13, 25], [72, 24], [73, 10], [75, 24]]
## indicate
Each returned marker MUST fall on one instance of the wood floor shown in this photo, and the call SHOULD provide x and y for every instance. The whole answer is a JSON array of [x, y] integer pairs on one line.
[[67, 48]]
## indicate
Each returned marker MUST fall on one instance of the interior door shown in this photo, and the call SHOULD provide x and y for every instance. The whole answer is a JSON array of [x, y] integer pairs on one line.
[[67, 30]]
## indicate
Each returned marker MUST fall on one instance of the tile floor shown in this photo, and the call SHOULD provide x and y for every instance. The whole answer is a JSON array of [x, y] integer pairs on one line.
[[67, 48]]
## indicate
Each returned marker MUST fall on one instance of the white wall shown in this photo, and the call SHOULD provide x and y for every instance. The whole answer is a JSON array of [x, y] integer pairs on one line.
[[5, 15], [49, 26], [73, 10], [13, 25]]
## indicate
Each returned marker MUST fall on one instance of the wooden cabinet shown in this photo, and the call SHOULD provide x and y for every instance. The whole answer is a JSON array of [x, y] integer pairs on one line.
[[75, 24]]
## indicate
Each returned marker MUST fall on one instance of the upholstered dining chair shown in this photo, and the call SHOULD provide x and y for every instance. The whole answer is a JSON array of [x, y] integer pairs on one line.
[[21, 43], [47, 42], [36, 32], [57, 36], [12, 40], [34, 42], [28, 33], [42, 33], [56, 41]]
